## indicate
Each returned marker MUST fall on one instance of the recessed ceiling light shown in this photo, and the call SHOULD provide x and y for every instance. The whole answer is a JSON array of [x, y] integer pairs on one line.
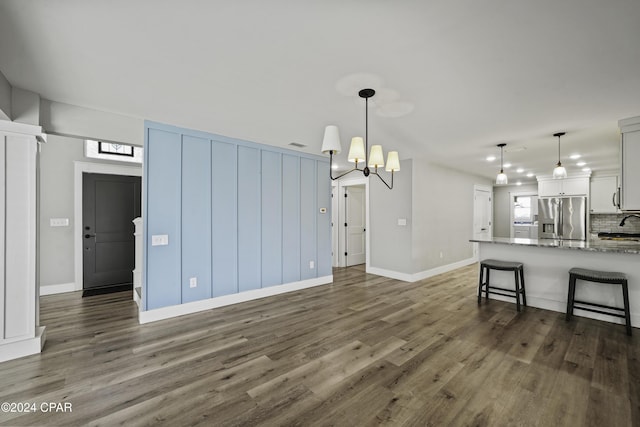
[[491, 158], [581, 164], [530, 175], [519, 170], [586, 169], [574, 156], [518, 183], [334, 166], [507, 165]]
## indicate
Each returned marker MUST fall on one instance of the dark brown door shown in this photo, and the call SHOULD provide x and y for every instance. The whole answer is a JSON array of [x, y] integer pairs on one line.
[[109, 204]]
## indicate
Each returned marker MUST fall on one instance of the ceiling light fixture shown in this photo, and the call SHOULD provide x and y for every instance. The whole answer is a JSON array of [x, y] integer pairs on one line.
[[574, 156], [580, 164], [501, 179], [519, 170], [530, 175], [358, 149], [559, 172], [491, 158]]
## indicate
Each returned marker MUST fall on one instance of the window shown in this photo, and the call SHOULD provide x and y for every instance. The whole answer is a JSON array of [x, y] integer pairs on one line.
[[112, 151], [522, 209]]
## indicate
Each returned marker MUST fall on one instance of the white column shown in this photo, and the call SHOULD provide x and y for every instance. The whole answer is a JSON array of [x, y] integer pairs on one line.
[[20, 332]]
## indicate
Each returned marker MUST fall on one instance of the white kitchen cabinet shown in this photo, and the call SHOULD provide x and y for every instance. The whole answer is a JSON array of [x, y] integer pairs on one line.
[[563, 187], [604, 194], [630, 183], [525, 231], [521, 231]]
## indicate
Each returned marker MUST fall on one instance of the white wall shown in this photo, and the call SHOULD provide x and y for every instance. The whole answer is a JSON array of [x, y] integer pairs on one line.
[[390, 245], [437, 203], [502, 206], [56, 250], [443, 215]]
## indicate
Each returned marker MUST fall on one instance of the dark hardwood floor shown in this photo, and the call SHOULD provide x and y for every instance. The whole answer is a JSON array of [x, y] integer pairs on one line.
[[363, 351]]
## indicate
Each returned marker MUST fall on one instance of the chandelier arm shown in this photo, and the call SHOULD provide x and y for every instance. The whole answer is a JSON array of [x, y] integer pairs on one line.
[[339, 176], [390, 187]]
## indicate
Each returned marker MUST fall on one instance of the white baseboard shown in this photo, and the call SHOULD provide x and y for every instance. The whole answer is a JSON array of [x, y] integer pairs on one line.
[[207, 304], [57, 289], [406, 277], [561, 307], [21, 348]]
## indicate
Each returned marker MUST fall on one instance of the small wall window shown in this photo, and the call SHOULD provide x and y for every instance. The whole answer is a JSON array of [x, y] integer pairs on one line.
[[112, 151], [522, 209]]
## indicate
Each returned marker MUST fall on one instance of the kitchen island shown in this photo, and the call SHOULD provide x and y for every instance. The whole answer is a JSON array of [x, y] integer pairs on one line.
[[546, 271]]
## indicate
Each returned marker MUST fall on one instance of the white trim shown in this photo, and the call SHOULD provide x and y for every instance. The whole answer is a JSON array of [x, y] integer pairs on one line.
[[207, 304], [406, 277], [57, 289], [347, 182], [25, 347], [79, 169], [19, 129]]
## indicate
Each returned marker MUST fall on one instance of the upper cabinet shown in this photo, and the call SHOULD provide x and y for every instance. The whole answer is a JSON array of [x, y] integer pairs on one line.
[[604, 194], [549, 187], [630, 172]]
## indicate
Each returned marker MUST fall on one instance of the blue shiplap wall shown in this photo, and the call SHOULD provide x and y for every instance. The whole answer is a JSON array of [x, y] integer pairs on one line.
[[239, 216]]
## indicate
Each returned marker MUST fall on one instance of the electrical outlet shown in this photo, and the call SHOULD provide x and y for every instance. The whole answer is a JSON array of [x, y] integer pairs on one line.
[[159, 240], [59, 222], [312, 264], [193, 282]]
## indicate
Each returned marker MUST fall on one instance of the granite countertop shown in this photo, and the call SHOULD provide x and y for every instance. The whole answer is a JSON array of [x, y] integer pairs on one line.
[[594, 245]]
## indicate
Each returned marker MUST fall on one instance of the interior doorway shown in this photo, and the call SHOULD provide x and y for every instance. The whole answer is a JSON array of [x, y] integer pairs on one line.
[[80, 168], [354, 225], [482, 213], [110, 203]]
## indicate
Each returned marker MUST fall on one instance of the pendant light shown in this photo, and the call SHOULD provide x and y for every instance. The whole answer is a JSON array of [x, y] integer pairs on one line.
[[501, 179], [358, 149], [559, 172]]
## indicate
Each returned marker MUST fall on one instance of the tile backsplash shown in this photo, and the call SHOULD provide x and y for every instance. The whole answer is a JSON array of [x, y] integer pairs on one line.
[[610, 223]]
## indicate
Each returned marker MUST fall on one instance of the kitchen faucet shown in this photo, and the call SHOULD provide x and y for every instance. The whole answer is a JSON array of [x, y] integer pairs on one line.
[[627, 217]]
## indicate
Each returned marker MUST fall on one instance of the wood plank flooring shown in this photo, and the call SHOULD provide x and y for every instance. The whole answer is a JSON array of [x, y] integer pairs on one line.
[[363, 351]]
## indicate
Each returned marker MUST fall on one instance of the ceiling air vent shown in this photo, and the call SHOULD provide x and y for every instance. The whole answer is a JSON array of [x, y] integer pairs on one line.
[[297, 144]]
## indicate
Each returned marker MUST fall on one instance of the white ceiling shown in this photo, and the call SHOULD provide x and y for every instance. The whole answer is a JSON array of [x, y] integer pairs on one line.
[[471, 73]]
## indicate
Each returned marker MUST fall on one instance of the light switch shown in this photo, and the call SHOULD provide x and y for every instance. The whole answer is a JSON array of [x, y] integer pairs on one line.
[[160, 240], [59, 222], [402, 221]]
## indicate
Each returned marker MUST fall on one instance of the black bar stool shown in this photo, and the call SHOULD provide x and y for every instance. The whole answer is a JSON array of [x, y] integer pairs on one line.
[[491, 264], [609, 277]]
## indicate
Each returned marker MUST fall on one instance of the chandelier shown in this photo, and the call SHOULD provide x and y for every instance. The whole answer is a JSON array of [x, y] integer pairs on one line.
[[359, 147]]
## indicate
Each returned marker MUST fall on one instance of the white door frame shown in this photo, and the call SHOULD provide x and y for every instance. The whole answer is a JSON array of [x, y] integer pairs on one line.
[[348, 217], [338, 205], [78, 169], [335, 248], [484, 188]]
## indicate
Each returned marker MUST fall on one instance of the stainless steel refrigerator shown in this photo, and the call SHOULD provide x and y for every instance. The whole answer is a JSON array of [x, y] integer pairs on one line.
[[562, 218]]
